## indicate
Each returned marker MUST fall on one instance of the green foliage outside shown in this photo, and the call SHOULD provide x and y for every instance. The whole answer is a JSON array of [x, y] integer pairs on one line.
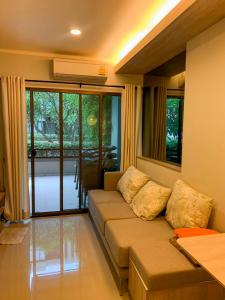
[[46, 120], [173, 107], [172, 122], [90, 113]]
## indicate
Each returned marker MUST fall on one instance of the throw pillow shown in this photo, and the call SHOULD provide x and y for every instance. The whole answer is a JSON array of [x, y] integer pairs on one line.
[[188, 232], [187, 207], [131, 182], [150, 200]]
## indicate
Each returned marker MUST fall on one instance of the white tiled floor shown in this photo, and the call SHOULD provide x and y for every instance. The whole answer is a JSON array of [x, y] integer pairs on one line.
[[47, 193], [59, 259]]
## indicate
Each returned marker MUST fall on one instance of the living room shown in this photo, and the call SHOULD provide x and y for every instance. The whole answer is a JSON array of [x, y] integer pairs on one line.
[[156, 102]]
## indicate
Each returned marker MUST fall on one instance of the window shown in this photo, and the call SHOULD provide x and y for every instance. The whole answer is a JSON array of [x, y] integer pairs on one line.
[[162, 125], [174, 126]]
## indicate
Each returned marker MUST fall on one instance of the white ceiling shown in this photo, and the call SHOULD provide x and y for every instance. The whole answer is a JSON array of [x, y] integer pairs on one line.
[[44, 25]]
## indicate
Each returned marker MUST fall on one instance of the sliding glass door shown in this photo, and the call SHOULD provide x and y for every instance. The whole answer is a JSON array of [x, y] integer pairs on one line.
[[70, 150], [72, 139]]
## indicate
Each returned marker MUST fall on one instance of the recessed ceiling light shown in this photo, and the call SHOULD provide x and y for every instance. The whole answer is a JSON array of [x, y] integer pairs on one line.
[[75, 32]]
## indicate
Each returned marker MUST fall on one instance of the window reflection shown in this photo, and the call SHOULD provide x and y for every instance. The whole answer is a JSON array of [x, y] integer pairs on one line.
[[53, 251], [71, 263]]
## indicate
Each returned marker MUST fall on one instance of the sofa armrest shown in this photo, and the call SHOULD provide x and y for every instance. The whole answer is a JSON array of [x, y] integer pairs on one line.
[[111, 179]]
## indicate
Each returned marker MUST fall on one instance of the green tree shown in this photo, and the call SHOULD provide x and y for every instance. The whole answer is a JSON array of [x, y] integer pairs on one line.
[[46, 120]]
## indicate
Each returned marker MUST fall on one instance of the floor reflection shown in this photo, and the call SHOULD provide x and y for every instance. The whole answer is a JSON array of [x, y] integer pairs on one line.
[[53, 251], [58, 259]]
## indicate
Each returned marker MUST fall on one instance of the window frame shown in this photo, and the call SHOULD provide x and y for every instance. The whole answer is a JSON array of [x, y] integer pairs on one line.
[[61, 91]]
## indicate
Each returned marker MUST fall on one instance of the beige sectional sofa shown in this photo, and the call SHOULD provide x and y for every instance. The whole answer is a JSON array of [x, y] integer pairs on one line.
[[140, 255]]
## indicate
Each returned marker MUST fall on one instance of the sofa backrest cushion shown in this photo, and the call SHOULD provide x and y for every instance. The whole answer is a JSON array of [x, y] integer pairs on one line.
[[187, 207], [150, 201], [131, 182]]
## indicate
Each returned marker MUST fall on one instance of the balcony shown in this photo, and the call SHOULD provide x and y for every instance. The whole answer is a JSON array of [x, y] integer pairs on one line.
[[47, 185]]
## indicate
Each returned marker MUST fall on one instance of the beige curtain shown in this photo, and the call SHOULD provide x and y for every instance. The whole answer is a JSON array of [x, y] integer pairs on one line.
[[138, 123], [159, 144], [1, 149], [15, 148], [130, 116], [154, 120], [148, 122]]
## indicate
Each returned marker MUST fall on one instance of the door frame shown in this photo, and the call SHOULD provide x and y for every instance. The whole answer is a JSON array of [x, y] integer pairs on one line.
[[61, 156]]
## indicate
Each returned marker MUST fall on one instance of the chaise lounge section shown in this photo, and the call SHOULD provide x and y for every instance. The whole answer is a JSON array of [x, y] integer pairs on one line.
[[141, 257]]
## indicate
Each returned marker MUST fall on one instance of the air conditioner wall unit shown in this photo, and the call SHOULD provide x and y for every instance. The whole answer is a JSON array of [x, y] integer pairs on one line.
[[80, 71]]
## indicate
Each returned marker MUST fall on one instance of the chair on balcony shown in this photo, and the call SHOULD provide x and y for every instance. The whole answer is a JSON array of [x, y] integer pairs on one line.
[[90, 171], [85, 174]]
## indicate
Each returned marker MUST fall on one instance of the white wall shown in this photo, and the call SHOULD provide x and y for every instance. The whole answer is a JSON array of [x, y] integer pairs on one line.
[[203, 163], [204, 117], [161, 174], [41, 68]]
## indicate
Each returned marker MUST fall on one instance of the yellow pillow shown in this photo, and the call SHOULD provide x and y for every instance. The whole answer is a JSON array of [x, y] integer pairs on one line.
[[131, 182], [188, 208], [150, 200]]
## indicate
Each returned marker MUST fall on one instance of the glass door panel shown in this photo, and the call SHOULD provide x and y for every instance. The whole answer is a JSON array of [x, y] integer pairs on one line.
[[71, 142], [28, 109], [90, 122], [46, 151], [111, 133], [47, 185], [90, 145]]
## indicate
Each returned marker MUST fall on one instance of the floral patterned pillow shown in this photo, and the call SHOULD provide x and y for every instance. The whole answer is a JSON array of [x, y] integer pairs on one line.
[[187, 207], [131, 182], [150, 200]]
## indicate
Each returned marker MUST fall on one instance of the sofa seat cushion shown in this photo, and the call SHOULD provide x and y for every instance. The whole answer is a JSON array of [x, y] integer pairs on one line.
[[108, 205], [123, 234], [111, 211], [162, 266], [101, 196]]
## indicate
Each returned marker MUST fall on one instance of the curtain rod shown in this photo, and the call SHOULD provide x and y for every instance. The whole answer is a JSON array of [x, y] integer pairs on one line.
[[78, 83], [90, 84]]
